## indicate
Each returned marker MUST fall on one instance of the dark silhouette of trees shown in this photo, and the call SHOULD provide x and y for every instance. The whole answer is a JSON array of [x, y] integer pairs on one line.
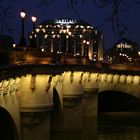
[[5, 15], [114, 17]]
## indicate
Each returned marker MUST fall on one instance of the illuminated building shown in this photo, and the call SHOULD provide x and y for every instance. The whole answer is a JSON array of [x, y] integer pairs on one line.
[[124, 51], [75, 38]]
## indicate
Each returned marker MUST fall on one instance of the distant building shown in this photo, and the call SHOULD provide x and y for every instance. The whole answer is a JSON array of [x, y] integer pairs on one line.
[[68, 36], [124, 51]]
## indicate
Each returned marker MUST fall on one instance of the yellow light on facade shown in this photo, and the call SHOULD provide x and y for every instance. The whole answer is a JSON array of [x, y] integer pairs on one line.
[[42, 49], [69, 33], [64, 31], [60, 31], [139, 53], [14, 45], [43, 30], [40, 26], [77, 26], [87, 42], [46, 36], [95, 31], [68, 26], [37, 30], [84, 41]]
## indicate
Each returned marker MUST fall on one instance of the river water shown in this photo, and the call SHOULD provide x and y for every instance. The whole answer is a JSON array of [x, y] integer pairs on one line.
[[110, 126]]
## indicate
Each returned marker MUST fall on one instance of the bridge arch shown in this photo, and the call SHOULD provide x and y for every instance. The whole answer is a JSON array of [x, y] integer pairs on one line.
[[116, 101], [56, 114], [8, 129]]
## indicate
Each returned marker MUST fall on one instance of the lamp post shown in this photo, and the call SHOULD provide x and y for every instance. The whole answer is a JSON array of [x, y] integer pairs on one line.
[[86, 48], [33, 18], [22, 40]]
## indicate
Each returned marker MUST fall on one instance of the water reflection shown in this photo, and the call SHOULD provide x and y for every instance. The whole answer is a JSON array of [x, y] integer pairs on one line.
[[111, 126], [79, 121], [119, 126]]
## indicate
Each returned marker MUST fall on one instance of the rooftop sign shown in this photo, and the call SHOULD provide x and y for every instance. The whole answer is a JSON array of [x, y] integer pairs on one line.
[[65, 21]]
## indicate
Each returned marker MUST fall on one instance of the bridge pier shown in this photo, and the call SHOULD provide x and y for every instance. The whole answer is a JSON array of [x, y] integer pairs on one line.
[[72, 101], [80, 97], [72, 113], [35, 125], [36, 106], [90, 105]]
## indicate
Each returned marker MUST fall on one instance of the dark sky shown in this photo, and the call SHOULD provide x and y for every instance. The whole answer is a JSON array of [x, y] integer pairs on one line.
[[87, 12]]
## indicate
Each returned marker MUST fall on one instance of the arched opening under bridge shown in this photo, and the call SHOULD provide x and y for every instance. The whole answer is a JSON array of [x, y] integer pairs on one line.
[[8, 129]]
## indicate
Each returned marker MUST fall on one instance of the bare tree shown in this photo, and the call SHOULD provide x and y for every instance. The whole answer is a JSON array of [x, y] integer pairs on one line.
[[5, 15], [117, 8]]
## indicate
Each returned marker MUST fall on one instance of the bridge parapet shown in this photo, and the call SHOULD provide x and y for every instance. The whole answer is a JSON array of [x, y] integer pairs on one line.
[[36, 93]]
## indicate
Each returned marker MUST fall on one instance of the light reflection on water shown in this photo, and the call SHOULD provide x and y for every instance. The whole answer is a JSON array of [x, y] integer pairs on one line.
[[119, 126], [111, 126]]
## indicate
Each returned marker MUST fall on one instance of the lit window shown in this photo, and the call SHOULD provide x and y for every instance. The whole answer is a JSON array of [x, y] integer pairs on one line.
[[46, 36], [14, 45], [87, 42], [40, 26], [84, 41], [42, 49], [37, 30], [43, 30], [77, 26], [68, 26], [69, 33], [95, 31]]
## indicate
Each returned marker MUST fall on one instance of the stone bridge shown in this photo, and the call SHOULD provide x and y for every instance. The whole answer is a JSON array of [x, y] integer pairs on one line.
[[36, 99]]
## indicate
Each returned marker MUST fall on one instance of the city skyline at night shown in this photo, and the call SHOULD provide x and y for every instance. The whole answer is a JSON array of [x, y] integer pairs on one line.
[[87, 12]]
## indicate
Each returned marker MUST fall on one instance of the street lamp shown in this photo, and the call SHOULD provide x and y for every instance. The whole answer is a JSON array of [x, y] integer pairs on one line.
[[86, 47], [33, 42], [22, 40]]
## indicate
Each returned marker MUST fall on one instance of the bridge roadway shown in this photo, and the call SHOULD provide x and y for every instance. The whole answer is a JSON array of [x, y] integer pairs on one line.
[[37, 97]]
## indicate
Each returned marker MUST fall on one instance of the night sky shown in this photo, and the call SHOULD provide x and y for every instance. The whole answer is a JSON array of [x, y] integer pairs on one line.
[[60, 9]]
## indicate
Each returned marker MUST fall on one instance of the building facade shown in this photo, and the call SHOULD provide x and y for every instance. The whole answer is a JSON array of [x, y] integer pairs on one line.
[[124, 51], [76, 38]]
